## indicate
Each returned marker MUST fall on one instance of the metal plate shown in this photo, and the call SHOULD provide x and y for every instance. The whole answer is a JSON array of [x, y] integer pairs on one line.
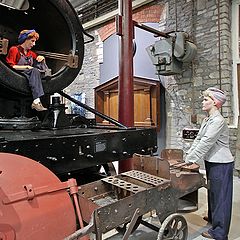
[[145, 177], [117, 182], [73, 149]]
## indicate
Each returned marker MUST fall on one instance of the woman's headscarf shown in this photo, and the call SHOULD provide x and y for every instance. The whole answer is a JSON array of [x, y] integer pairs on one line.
[[25, 34], [217, 95]]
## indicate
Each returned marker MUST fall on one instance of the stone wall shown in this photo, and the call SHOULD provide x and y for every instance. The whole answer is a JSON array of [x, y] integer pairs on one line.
[[89, 75], [209, 27]]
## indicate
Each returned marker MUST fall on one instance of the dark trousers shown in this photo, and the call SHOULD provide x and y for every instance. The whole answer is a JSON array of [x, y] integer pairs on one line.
[[220, 178], [35, 82]]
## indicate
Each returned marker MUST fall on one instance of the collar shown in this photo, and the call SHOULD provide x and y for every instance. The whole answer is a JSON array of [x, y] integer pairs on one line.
[[214, 114], [21, 49]]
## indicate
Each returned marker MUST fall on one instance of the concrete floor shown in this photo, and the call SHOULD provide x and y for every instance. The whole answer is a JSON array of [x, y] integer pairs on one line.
[[196, 225]]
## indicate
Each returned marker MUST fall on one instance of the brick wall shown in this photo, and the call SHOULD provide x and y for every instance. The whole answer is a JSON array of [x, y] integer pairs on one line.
[[141, 15]]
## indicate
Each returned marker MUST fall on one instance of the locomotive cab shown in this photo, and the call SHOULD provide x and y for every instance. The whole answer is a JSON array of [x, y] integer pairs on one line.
[[61, 42]]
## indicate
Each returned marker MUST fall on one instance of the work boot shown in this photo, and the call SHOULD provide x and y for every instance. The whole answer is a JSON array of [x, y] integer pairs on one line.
[[207, 235], [207, 219], [38, 107]]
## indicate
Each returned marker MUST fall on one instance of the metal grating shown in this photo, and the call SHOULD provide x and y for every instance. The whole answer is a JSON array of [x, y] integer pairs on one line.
[[145, 177], [123, 184], [91, 10]]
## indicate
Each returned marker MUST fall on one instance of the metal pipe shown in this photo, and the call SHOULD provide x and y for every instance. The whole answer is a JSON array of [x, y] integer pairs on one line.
[[111, 120], [151, 30], [219, 46], [125, 83]]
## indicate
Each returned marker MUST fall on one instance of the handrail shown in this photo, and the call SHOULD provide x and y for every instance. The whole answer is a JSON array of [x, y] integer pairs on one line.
[[103, 116]]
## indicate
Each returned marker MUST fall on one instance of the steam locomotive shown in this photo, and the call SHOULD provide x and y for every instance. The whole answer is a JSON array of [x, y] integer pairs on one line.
[[64, 143]]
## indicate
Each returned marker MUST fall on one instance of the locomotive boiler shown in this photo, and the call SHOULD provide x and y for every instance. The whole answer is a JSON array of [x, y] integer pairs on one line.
[[64, 143]]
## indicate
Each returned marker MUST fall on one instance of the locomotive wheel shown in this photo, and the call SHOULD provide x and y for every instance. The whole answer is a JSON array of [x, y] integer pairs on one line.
[[173, 227]]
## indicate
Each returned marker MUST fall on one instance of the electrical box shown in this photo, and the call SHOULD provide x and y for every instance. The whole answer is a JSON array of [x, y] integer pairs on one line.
[[169, 54], [189, 133]]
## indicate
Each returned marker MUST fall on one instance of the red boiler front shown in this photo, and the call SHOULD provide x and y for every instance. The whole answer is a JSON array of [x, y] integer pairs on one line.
[[34, 203]]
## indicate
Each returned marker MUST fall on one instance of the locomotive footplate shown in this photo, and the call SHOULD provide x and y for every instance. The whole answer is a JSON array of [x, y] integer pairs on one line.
[[72, 149]]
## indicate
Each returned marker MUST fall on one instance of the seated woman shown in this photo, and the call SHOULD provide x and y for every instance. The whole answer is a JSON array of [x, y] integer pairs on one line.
[[21, 57]]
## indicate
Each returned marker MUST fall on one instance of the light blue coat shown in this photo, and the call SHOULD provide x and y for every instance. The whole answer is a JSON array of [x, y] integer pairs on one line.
[[212, 141]]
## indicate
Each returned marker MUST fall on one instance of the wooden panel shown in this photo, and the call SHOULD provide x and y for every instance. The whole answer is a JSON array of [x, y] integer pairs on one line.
[[142, 107], [99, 99], [172, 154], [146, 102], [113, 104]]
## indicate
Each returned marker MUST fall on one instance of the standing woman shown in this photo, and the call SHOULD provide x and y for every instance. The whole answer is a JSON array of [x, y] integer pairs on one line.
[[212, 146]]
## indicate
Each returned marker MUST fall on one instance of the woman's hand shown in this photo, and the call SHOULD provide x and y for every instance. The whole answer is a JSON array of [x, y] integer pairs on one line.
[[22, 67], [40, 58], [29, 67]]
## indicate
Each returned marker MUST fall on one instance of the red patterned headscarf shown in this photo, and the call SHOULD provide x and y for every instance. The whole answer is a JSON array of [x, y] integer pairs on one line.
[[217, 95]]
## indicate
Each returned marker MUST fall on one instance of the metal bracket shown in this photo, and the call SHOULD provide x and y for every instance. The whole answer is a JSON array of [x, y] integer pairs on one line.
[[132, 224], [118, 21], [72, 61], [31, 192], [3, 46]]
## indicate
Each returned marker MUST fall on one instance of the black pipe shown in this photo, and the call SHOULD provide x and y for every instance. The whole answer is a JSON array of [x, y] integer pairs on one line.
[[103, 116], [88, 35], [151, 30]]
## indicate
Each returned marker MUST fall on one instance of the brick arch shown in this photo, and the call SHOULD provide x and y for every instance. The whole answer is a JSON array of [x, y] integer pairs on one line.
[[142, 15]]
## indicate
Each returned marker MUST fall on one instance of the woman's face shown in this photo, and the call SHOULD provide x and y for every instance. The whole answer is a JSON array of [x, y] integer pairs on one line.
[[207, 104], [29, 43]]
